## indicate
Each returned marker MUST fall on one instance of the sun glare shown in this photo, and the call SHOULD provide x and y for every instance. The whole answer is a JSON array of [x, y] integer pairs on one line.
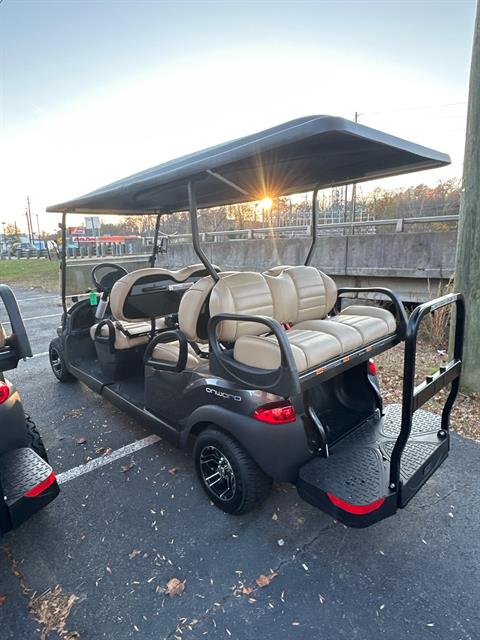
[[266, 203]]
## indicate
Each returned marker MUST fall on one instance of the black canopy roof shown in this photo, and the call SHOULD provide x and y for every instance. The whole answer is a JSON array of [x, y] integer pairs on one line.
[[290, 158]]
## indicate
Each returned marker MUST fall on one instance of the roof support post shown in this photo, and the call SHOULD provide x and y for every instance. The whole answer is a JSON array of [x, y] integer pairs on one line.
[[63, 267], [192, 203], [153, 257], [314, 226]]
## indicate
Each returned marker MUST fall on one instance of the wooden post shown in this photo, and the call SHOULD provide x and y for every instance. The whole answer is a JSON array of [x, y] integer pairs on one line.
[[467, 269]]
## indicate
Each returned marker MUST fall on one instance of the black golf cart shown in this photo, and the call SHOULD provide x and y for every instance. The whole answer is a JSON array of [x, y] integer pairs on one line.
[[265, 374], [27, 481]]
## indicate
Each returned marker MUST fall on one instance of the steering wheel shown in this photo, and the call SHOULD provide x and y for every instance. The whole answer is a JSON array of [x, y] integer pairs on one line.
[[111, 273]]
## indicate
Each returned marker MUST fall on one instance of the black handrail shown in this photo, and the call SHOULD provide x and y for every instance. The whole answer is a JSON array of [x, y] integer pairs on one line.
[[400, 313], [409, 393], [168, 336], [18, 341], [283, 381]]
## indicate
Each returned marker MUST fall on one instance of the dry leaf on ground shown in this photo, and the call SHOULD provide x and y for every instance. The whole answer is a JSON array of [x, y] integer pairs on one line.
[[135, 552], [173, 471], [80, 440], [174, 587], [103, 451], [264, 581], [127, 467]]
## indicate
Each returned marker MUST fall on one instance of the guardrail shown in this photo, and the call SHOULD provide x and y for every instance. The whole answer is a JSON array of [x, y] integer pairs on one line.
[[305, 230], [293, 231]]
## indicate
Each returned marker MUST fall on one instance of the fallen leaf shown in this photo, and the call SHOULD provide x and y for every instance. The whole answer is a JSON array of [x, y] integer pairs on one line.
[[127, 467], [3, 599], [173, 471], [274, 517], [80, 440], [247, 591], [135, 552], [103, 451], [175, 587], [264, 581]]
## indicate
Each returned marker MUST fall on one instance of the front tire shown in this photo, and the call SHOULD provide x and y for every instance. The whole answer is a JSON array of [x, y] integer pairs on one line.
[[57, 361], [229, 476], [35, 439]]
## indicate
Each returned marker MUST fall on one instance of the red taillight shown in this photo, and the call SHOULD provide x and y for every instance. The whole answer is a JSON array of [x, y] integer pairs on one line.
[[4, 391], [357, 509], [372, 369], [41, 486], [276, 413]]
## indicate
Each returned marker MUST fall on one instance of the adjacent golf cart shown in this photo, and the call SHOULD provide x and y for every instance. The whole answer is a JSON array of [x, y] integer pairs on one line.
[[27, 482], [264, 373]]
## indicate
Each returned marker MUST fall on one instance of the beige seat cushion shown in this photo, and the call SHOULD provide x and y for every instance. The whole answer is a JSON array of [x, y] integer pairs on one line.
[[134, 329], [372, 323], [169, 352], [348, 337], [309, 348]]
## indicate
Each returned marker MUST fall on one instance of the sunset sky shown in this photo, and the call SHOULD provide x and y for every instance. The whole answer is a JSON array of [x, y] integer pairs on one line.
[[92, 91]]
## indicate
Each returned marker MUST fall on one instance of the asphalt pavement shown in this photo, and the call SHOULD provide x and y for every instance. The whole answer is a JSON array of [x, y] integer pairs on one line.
[[97, 560]]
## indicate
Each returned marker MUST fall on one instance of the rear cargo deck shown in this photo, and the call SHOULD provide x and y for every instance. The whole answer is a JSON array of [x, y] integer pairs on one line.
[[352, 484]]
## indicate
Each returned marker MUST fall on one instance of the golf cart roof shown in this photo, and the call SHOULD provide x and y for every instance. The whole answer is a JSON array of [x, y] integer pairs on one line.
[[314, 151]]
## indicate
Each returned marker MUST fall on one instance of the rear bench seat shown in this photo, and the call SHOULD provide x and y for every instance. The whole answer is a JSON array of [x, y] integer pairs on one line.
[[300, 297]]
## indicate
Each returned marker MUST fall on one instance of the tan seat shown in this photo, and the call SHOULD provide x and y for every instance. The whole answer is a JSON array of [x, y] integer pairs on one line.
[[193, 315], [313, 295], [249, 293], [129, 334], [131, 327]]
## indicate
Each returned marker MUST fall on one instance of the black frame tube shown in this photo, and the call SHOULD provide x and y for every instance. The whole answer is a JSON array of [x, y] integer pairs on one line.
[[409, 374], [192, 202], [153, 257], [314, 227], [63, 270]]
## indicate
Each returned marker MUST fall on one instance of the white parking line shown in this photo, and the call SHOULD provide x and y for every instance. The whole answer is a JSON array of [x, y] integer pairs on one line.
[[127, 450], [38, 355], [51, 315], [38, 298]]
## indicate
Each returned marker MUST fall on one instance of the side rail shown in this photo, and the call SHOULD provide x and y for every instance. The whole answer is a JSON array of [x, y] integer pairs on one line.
[[415, 397], [400, 313], [164, 365], [18, 344], [283, 381]]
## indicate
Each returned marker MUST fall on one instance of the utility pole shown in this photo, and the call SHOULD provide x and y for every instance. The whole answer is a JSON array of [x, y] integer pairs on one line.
[[28, 213], [467, 269]]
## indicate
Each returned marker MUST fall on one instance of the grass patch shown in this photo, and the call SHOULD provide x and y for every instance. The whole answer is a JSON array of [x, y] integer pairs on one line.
[[31, 273]]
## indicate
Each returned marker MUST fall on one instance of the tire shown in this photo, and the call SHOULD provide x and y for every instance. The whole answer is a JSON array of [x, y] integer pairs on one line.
[[245, 484], [57, 361], [35, 439]]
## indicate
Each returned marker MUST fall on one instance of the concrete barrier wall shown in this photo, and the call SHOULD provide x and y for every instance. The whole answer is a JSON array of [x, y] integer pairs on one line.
[[407, 259]]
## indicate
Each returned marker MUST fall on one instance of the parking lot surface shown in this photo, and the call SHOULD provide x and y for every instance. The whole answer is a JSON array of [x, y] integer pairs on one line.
[[95, 563]]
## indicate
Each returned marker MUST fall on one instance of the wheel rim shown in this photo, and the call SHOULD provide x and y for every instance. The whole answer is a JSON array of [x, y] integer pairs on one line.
[[55, 361], [217, 473]]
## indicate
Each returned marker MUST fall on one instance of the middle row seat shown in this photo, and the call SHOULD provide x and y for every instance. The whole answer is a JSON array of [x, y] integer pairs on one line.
[[296, 296]]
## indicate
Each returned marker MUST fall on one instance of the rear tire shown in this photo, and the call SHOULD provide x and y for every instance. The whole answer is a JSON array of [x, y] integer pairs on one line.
[[35, 439], [229, 476], [57, 361]]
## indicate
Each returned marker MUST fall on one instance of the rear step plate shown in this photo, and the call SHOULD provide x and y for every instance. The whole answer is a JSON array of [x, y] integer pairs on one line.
[[352, 483], [27, 483]]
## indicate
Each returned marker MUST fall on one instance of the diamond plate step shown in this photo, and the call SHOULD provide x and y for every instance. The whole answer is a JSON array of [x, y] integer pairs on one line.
[[356, 475]]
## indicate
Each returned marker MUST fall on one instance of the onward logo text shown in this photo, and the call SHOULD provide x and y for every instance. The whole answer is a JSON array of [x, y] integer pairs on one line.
[[223, 394]]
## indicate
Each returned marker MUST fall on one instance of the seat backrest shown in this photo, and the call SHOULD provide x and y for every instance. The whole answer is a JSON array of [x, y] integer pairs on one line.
[[150, 293], [194, 312], [314, 292], [241, 293]]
